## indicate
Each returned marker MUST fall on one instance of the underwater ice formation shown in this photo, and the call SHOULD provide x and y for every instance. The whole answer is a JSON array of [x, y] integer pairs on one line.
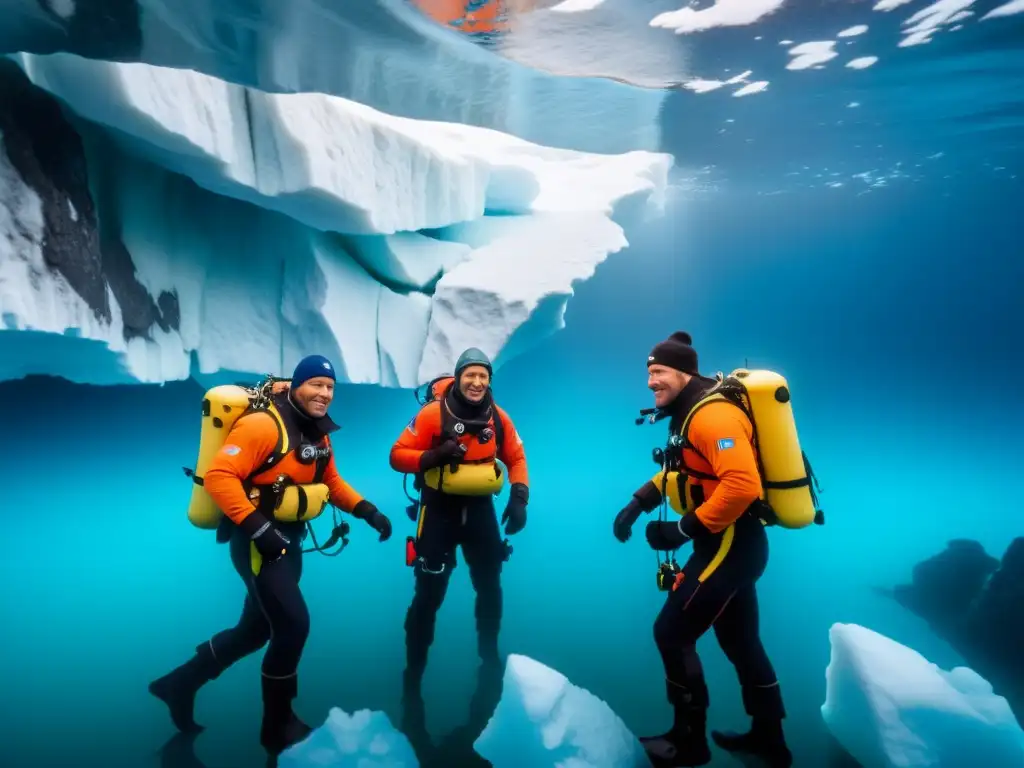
[[166, 223], [544, 721], [365, 739], [889, 706]]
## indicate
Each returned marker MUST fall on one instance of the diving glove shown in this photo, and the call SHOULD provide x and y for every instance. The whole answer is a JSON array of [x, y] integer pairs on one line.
[[515, 510], [364, 510], [644, 500], [442, 454], [269, 542], [665, 536], [623, 526]]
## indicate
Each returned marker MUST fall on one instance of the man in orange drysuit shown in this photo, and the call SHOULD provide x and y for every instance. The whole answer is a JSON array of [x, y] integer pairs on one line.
[[274, 610], [462, 426], [717, 585]]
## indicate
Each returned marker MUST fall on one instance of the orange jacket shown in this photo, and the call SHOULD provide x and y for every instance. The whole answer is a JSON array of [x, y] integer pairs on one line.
[[725, 436], [250, 442], [424, 432]]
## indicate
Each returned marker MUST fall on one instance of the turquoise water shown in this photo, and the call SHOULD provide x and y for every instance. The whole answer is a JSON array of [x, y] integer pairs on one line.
[[109, 586], [889, 301]]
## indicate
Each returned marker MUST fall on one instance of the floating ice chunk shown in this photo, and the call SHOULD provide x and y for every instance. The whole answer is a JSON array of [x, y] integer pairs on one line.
[[889, 706], [362, 740], [544, 721]]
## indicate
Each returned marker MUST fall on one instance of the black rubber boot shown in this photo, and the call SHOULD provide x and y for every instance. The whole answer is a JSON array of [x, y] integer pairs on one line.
[[281, 728], [765, 738], [178, 688], [686, 744]]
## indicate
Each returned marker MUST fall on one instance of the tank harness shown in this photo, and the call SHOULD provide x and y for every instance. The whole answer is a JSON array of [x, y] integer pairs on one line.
[[269, 495], [451, 426], [728, 389]]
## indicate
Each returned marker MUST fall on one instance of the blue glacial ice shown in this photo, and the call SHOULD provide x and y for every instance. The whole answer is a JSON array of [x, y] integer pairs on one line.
[[277, 223], [889, 707], [364, 739], [544, 721]]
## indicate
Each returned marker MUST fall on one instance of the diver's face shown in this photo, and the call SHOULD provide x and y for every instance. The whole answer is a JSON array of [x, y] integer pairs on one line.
[[314, 395], [473, 383], [666, 383]]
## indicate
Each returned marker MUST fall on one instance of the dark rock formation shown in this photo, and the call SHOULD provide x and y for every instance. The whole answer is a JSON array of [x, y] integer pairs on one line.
[[48, 154], [974, 602], [138, 310]]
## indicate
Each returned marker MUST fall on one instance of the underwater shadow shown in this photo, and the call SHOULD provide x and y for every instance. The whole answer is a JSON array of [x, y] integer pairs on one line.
[[455, 749], [179, 751]]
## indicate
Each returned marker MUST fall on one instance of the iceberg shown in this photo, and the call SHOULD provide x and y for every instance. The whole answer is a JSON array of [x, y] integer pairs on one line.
[[889, 706], [544, 721], [168, 224], [386, 54], [364, 739]]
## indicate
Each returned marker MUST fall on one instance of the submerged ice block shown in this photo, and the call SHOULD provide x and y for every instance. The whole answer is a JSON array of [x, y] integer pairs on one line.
[[544, 721], [364, 739], [888, 706]]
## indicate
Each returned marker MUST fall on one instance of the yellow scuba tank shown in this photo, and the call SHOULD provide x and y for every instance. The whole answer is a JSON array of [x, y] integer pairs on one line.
[[222, 405], [786, 477], [785, 474]]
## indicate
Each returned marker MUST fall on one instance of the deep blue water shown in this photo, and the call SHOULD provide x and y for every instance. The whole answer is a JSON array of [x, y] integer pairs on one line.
[[893, 314]]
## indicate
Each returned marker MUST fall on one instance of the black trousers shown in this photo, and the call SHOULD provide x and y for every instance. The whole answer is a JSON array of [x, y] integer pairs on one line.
[[718, 590], [447, 522], [274, 610]]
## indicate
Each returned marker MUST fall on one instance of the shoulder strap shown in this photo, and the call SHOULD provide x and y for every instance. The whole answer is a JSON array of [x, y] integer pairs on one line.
[[714, 396], [282, 446], [729, 391], [499, 429], [684, 432], [321, 464]]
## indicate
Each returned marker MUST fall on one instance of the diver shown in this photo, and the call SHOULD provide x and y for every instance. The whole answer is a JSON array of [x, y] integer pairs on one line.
[[716, 585], [248, 480], [451, 446]]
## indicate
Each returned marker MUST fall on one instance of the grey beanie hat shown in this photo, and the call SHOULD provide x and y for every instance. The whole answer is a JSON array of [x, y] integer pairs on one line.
[[472, 356]]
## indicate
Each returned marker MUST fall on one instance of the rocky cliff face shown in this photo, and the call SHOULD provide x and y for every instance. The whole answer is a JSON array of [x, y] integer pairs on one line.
[[45, 153]]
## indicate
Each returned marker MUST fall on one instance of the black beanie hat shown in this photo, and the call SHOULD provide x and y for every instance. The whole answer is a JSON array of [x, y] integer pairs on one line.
[[675, 352]]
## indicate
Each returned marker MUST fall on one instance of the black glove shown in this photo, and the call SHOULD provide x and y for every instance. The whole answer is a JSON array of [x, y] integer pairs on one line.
[[270, 542], [515, 510], [448, 451], [623, 526], [665, 536], [364, 510], [644, 500]]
